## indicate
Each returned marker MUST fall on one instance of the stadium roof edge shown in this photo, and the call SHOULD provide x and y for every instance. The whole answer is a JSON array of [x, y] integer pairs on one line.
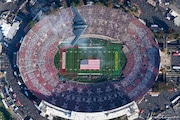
[[130, 110]]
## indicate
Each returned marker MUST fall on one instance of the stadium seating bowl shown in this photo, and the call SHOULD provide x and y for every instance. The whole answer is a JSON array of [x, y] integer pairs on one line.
[[38, 49]]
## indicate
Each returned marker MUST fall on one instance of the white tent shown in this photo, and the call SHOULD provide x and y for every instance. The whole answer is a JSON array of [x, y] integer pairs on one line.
[[177, 21], [0, 48], [174, 13], [10, 30], [1, 35]]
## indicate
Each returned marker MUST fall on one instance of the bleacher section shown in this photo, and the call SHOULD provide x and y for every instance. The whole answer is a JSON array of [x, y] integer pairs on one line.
[[39, 47]]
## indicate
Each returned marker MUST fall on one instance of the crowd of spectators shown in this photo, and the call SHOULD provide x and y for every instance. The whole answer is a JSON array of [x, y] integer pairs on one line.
[[37, 52]]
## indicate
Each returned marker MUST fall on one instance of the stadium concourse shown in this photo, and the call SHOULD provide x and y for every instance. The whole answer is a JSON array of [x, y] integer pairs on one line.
[[37, 51]]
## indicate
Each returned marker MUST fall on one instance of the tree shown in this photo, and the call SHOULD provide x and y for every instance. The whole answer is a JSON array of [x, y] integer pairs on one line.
[[110, 3], [81, 3]]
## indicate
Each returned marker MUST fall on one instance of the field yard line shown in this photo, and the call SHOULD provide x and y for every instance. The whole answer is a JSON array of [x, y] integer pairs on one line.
[[90, 47]]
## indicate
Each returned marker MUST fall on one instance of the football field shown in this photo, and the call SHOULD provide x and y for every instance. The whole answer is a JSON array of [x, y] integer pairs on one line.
[[105, 60]]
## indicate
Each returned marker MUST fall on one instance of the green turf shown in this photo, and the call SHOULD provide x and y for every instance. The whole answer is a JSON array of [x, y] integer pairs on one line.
[[109, 58], [112, 59], [122, 60], [57, 60]]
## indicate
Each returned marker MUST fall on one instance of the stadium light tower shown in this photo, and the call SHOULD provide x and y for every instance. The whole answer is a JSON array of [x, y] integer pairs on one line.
[[79, 25]]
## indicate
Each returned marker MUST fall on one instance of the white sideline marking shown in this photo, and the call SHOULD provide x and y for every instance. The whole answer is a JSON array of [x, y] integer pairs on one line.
[[63, 60]]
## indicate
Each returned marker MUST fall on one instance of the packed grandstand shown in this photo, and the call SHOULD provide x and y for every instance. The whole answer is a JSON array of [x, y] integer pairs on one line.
[[39, 47]]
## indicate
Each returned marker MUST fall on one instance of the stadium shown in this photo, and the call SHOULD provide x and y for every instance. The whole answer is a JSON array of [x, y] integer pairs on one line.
[[118, 47]]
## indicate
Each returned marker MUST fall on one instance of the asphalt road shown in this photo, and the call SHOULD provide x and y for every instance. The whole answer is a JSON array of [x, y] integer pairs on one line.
[[157, 104], [28, 108]]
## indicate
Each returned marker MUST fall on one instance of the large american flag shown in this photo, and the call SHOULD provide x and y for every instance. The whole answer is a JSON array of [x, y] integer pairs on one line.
[[90, 64]]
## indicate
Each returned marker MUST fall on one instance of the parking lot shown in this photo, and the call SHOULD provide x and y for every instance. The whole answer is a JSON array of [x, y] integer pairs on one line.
[[157, 104], [150, 15]]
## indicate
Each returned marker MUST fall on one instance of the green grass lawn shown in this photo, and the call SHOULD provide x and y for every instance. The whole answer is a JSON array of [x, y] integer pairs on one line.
[[122, 60], [4, 114], [57, 60]]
